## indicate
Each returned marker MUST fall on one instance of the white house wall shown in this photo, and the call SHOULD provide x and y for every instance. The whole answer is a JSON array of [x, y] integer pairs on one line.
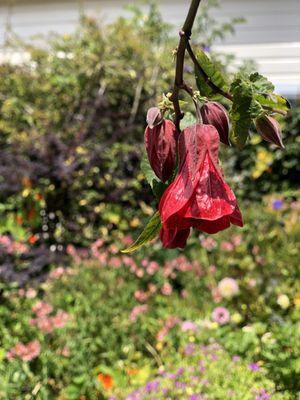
[[271, 35]]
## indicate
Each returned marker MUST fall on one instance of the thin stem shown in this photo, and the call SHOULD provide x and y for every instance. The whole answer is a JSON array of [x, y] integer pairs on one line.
[[184, 38], [215, 88]]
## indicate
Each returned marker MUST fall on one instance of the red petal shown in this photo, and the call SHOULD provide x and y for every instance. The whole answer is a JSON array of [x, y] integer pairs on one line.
[[194, 142], [160, 144], [212, 198], [212, 227], [172, 238]]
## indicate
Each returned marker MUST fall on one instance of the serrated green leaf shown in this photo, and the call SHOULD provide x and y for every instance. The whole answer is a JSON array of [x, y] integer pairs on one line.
[[273, 100], [240, 112], [213, 73], [148, 171], [261, 83], [150, 231]]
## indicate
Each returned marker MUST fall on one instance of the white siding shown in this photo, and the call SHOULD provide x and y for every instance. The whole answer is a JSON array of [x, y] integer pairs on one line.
[[271, 35]]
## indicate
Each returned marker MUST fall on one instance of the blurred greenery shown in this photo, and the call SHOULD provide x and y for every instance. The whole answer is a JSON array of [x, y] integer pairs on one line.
[[126, 314]]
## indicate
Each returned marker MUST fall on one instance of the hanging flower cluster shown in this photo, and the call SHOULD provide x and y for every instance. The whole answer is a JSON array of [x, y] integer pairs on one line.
[[186, 176], [198, 197]]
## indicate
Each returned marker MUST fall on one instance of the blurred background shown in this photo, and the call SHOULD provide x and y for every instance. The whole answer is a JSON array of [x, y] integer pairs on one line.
[[79, 320], [270, 37]]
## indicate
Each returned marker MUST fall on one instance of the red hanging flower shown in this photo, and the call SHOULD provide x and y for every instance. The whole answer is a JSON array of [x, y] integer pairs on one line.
[[198, 197], [160, 142]]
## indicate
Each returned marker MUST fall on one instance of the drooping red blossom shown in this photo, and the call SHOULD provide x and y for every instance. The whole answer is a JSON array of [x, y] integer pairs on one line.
[[215, 114], [199, 197], [160, 142], [270, 130]]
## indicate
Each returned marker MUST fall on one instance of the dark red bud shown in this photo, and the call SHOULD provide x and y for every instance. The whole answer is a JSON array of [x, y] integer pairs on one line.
[[270, 130], [160, 142], [154, 117], [215, 114]]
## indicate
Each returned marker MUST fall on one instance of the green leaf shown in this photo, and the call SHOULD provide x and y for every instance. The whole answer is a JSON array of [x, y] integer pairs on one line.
[[273, 100], [148, 171], [150, 231], [213, 73], [261, 83], [240, 112], [157, 186]]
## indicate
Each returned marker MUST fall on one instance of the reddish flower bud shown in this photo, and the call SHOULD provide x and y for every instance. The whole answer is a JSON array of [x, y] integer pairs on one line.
[[215, 114], [154, 117], [270, 130], [160, 142]]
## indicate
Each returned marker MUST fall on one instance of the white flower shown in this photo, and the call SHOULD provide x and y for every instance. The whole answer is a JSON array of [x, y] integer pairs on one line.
[[228, 288], [283, 301]]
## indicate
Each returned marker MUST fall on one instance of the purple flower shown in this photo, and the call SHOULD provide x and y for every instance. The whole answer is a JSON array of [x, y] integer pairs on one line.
[[180, 385], [180, 371], [277, 204], [205, 382], [262, 395], [206, 48], [236, 358], [253, 367], [152, 386], [195, 397], [221, 315], [189, 349]]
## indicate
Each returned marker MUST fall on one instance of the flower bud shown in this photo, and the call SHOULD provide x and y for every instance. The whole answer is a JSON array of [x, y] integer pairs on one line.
[[270, 130], [215, 114], [160, 142], [154, 117]]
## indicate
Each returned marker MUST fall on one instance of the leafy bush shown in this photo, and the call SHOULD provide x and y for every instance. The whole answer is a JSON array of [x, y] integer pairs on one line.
[[74, 134]]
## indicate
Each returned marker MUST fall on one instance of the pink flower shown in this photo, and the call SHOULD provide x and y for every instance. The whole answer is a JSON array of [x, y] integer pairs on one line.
[[221, 315], [208, 243], [127, 240], [166, 289], [71, 250], [60, 319], [31, 293], [57, 273], [43, 323], [65, 351], [189, 326], [26, 352], [236, 240], [216, 295], [152, 267], [226, 246], [141, 296], [139, 272], [42, 309], [228, 288], [152, 288], [136, 311], [115, 262], [212, 269]]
